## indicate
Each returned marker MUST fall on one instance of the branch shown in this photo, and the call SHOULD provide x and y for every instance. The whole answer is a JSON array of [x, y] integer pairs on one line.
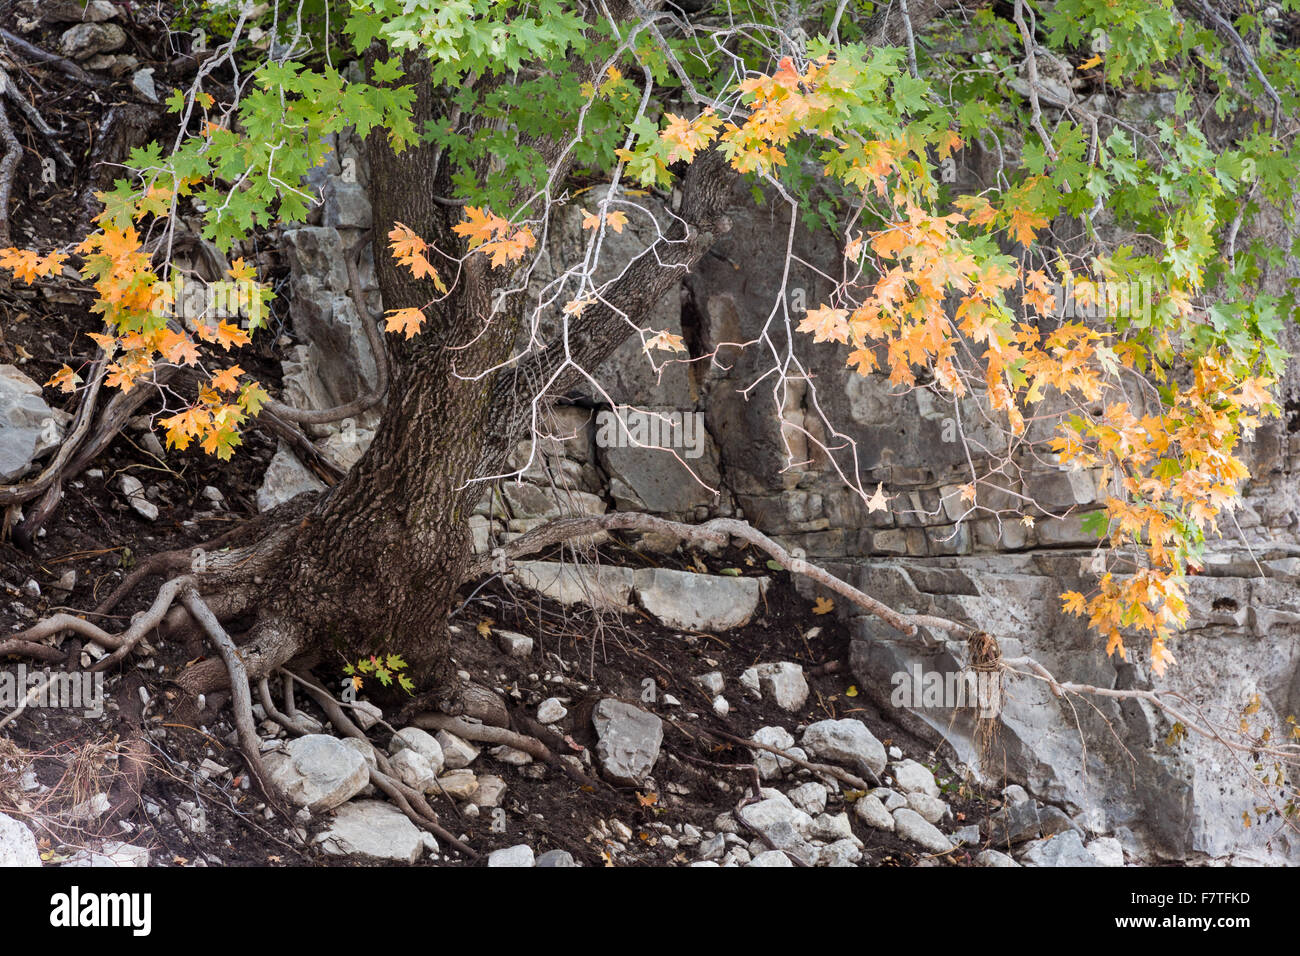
[[8, 167], [713, 532], [63, 65]]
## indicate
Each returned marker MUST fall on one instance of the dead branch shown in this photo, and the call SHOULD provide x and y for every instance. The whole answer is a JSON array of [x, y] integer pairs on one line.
[[35, 118], [62, 64], [714, 532], [8, 168]]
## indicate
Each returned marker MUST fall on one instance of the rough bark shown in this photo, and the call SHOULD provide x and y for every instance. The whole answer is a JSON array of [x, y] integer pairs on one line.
[[375, 566]]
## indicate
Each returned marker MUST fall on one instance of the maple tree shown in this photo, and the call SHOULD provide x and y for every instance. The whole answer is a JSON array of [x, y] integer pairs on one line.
[[483, 117]]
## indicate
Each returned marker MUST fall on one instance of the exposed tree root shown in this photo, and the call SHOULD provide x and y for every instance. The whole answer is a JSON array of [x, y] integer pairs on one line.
[[8, 168], [231, 583], [839, 773], [408, 799], [241, 695], [496, 736]]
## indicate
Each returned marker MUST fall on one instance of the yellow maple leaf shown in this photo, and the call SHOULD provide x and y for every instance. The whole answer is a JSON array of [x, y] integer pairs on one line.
[[230, 336], [479, 226], [823, 605]]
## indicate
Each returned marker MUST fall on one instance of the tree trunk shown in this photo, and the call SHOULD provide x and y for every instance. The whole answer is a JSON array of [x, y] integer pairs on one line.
[[374, 568]]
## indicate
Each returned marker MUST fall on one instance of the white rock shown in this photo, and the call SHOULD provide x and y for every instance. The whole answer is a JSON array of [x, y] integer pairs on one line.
[[372, 828], [698, 602], [17, 845], [994, 858], [143, 83], [511, 756], [872, 812], [365, 748], [457, 753], [1107, 851], [133, 490], [285, 478], [521, 855], [720, 706], [783, 683], [771, 765], [712, 683], [111, 854], [783, 825], [365, 714], [770, 858], [1014, 795], [845, 852], [628, 741], [932, 808], [830, 827], [491, 791], [514, 645], [891, 799], [1064, 849], [422, 742], [811, 797], [912, 777], [28, 426], [550, 710], [414, 770], [847, 742], [318, 772], [910, 825]]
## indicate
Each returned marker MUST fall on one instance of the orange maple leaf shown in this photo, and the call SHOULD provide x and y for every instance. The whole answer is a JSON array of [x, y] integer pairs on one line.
[[229, 335], [227, 380], [407, 321], [479, 226]]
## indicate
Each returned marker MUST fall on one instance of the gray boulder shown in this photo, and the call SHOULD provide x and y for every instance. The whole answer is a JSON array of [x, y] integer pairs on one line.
[[28, 427], [318, 772], [1064, 849], [848, 742], [629, 741], [372, 828]]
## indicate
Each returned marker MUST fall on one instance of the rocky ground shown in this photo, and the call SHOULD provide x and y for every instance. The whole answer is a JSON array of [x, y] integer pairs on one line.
[[662, 717]]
